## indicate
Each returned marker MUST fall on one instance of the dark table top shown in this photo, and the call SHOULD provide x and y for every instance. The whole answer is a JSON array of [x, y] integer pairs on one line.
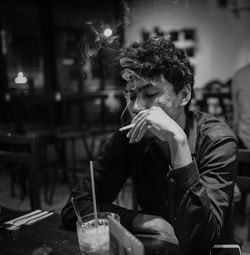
[[49, 232]]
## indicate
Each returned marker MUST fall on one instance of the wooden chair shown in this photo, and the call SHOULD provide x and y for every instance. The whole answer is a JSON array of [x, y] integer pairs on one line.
[[12, 151], [243, 180]]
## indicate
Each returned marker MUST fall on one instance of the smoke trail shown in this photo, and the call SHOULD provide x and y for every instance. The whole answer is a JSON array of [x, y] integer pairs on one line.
[[94, 38]]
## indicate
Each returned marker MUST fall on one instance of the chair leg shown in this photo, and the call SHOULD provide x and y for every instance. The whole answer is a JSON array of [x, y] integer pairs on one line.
[[22, 170], [53, 184], [243, 202], [248, 229], [45, 184], [73, 157], [62, 161], [12, 183]]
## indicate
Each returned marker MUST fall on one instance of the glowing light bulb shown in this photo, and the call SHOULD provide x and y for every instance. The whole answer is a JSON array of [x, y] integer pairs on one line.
[[58, 97], [108, 32], [20, 79]]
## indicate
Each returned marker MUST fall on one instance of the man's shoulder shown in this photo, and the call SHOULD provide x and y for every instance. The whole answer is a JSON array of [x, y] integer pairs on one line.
[[116, 139], [212, 127], [243, 71]]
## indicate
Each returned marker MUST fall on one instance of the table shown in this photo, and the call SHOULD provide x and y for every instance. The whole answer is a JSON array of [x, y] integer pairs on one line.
[[50, 232]]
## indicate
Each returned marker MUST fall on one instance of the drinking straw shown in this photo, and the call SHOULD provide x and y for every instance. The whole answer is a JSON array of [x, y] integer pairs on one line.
[[76, 210], [93, 190]]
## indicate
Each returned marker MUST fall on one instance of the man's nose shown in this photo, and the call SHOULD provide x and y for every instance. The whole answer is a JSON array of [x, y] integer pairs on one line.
[[139, 105]]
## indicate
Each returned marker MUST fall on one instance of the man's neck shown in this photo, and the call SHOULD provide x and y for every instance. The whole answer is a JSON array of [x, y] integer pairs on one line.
[[181, 120]]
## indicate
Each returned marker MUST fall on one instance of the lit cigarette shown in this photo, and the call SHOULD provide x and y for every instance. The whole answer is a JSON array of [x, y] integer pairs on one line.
[[126, 127]]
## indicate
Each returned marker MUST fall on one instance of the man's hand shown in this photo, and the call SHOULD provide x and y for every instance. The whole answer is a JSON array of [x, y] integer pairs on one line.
[[166, 129], [145, 223], [157, 122]]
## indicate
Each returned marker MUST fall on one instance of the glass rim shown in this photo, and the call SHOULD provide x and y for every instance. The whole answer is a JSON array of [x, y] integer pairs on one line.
[[108, 213]]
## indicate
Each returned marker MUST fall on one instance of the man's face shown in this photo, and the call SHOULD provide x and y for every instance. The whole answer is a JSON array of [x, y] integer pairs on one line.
[[144, 93]]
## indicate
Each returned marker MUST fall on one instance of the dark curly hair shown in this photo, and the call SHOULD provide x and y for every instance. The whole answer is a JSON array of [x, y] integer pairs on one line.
[[157, 56]]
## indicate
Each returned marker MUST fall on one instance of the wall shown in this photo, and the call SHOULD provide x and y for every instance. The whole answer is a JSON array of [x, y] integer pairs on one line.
[[223, 40]]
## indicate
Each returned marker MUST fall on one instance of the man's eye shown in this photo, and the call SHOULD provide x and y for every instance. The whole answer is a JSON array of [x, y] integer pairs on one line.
[[151, 95]]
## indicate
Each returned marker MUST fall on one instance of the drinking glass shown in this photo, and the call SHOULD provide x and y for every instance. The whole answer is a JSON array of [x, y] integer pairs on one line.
[[94, 240]]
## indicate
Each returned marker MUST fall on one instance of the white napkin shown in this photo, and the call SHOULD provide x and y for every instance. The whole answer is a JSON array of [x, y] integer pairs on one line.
[[28, 219], [162, 237]]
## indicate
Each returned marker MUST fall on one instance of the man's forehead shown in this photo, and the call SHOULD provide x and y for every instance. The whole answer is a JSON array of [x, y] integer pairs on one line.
[[141, 84]]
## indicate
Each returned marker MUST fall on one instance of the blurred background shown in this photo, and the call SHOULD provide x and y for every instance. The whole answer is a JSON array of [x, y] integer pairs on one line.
[[59, 79]]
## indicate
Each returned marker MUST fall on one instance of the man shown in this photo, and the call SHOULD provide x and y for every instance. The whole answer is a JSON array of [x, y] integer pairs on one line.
[[182, 163], [241, 105]]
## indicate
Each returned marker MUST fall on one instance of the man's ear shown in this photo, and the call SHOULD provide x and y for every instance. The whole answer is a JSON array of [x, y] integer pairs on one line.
[[185, 95]]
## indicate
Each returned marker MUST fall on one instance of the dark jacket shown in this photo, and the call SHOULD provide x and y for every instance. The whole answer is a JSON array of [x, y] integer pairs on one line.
[[195, 199]]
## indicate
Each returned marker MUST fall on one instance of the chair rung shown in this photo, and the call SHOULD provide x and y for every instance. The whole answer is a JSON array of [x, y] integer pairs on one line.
[[15, 157], [243, 182]]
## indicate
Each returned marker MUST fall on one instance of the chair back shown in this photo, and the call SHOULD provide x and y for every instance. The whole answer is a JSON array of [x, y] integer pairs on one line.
[[23, 149], [243, 179]]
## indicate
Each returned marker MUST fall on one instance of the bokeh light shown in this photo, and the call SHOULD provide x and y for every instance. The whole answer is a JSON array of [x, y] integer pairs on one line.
[[108, 32]]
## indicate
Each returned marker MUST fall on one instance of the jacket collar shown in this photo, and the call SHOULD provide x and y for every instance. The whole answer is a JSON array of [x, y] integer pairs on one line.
[[191, 131]]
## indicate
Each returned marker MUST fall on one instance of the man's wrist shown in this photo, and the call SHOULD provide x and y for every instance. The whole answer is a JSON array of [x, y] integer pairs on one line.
[[180, 151], [179, 139]]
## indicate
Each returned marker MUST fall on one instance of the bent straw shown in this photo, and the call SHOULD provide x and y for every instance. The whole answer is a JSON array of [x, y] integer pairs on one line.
[[93, 190], [76, 211]]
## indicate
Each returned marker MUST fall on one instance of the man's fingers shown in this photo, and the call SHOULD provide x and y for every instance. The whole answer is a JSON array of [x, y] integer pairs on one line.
[[136, 130], [139, 115], [142, 131], [136, 122]]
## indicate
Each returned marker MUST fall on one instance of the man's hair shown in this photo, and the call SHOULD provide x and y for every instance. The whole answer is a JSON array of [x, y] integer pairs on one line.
[[154, 57]]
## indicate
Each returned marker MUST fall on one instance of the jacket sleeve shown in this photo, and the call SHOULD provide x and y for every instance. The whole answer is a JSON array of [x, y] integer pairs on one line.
[[111, 170], [201, 195]]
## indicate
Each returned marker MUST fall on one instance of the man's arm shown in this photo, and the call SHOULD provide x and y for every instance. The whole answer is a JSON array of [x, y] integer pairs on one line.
[[111, 170], [201, 202]]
